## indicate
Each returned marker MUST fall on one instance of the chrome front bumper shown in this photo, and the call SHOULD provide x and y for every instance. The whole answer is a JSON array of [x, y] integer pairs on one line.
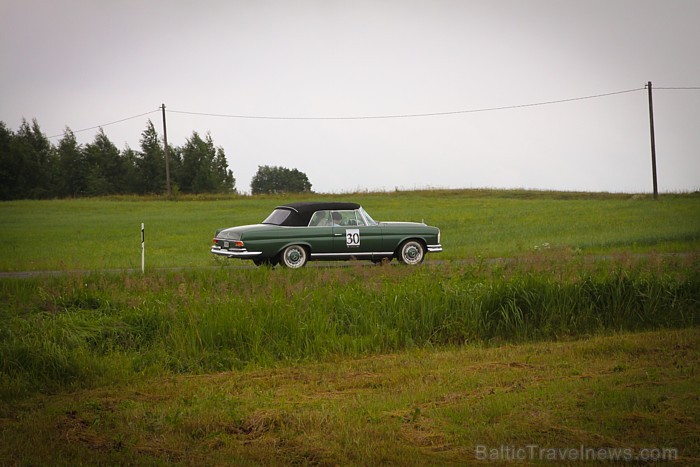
[[234, 252], [434, 248]]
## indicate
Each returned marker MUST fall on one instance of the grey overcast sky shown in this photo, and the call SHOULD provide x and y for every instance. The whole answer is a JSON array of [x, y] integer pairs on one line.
[[81, 64]]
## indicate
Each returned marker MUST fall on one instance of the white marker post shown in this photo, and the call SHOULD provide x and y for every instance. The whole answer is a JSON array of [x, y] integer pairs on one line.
[[143, 249]]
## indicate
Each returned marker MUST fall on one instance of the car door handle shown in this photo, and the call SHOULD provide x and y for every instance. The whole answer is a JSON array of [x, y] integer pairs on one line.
[[338, 235]]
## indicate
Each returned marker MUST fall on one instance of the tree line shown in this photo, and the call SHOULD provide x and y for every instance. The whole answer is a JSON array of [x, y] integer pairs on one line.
[[31, 167]]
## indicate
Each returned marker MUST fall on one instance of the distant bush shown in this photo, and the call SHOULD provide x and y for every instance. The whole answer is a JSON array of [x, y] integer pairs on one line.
[[274, 180]]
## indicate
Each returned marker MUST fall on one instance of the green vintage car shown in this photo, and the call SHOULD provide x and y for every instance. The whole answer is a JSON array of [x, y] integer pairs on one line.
[[298, 232]]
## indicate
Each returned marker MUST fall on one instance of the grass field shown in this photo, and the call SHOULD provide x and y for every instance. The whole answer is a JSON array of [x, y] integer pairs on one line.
[[96, 234], [552, 319], [630, 395]]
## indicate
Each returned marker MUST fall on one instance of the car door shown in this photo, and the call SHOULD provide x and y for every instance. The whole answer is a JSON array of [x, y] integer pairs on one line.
[[352, 237], [319, 233]]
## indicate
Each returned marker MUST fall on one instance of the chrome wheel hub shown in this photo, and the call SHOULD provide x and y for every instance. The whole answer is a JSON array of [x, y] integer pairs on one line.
[[411, 253]]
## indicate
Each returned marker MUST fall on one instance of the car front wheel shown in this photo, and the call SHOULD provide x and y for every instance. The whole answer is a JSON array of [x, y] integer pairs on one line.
[[411, 252], [293, 257]]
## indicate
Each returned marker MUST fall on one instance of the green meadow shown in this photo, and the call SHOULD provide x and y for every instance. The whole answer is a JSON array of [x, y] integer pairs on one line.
[[561, 320], [97, 234]]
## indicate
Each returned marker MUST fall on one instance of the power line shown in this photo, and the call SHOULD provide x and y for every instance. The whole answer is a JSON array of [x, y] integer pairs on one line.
[[431, 114], [680, 88], [107, 124], [377, 117]]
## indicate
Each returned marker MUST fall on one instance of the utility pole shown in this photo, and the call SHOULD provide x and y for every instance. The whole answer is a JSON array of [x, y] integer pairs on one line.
[[653, 141], [166, 152]]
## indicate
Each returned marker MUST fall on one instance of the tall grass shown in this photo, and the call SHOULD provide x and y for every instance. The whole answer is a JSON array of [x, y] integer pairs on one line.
[[95, 329]]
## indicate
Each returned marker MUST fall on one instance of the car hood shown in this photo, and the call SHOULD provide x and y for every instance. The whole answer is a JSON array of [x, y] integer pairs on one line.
[[399, 224]]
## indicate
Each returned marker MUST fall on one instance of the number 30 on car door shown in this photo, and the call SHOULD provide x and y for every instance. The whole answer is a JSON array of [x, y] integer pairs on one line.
[[352, 237]]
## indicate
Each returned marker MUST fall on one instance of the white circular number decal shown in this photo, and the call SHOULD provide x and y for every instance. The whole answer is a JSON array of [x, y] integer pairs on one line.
[[352, 237]]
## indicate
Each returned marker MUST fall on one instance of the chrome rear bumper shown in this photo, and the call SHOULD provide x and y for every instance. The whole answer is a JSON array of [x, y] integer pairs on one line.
[[234, 252]]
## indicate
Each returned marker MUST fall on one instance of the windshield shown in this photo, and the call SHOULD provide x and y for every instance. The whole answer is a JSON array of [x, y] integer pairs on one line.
[[367, 217], [277, 217]]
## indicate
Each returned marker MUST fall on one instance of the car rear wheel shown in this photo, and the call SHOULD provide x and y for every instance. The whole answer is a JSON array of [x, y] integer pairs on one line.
[[411, 252], [293, 257]]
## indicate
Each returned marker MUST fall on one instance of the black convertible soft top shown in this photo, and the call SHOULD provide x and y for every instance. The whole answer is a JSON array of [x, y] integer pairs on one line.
[[301, 212]]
